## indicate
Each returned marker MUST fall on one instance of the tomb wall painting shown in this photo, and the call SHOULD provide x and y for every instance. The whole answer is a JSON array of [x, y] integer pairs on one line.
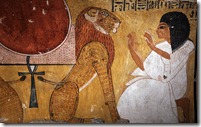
[[136, 16]]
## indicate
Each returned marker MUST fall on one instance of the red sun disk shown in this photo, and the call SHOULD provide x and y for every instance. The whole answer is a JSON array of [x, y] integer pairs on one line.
[[33, 26]]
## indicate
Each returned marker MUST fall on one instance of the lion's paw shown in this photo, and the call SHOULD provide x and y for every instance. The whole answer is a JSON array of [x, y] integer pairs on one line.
[[121, 120], [97, 120]]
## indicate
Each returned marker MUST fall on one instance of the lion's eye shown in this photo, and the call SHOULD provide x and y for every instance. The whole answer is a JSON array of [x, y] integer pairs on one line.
[[105, 13]]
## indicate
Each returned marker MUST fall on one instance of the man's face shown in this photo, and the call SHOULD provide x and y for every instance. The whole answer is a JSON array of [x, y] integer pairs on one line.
[[163, 31]]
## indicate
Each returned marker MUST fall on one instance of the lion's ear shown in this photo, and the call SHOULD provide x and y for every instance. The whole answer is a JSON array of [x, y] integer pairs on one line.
[[91, 15], [92, 12]]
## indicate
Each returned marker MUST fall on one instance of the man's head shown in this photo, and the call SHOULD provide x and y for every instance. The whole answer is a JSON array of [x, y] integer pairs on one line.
[[179, 28]]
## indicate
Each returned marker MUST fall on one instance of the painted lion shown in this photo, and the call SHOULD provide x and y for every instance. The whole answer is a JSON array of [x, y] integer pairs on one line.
[[95, 54]]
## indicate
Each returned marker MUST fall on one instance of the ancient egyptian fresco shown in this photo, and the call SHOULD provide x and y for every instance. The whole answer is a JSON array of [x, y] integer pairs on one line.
[[107, 61]]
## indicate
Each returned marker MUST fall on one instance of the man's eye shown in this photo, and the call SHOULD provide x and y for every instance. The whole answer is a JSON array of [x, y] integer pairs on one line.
[[162, 27]]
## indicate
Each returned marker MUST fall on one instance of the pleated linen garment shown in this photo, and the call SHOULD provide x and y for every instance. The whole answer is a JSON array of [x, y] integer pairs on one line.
[[150, 97]]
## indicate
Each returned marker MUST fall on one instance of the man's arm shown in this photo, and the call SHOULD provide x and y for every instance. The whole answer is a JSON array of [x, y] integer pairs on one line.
[[134, 55], [154, 48]]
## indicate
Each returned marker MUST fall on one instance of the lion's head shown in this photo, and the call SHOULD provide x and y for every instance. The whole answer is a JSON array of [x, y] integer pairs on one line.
[[103, 20], [95, 24]]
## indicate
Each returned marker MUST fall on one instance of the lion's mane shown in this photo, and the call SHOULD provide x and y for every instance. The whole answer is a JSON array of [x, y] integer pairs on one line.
[[86, 33]]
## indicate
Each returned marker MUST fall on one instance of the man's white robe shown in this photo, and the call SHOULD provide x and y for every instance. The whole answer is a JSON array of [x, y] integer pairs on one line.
[[150, 96]]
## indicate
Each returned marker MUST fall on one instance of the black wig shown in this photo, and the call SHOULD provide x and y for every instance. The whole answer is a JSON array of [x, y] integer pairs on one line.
[[179, 28]]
